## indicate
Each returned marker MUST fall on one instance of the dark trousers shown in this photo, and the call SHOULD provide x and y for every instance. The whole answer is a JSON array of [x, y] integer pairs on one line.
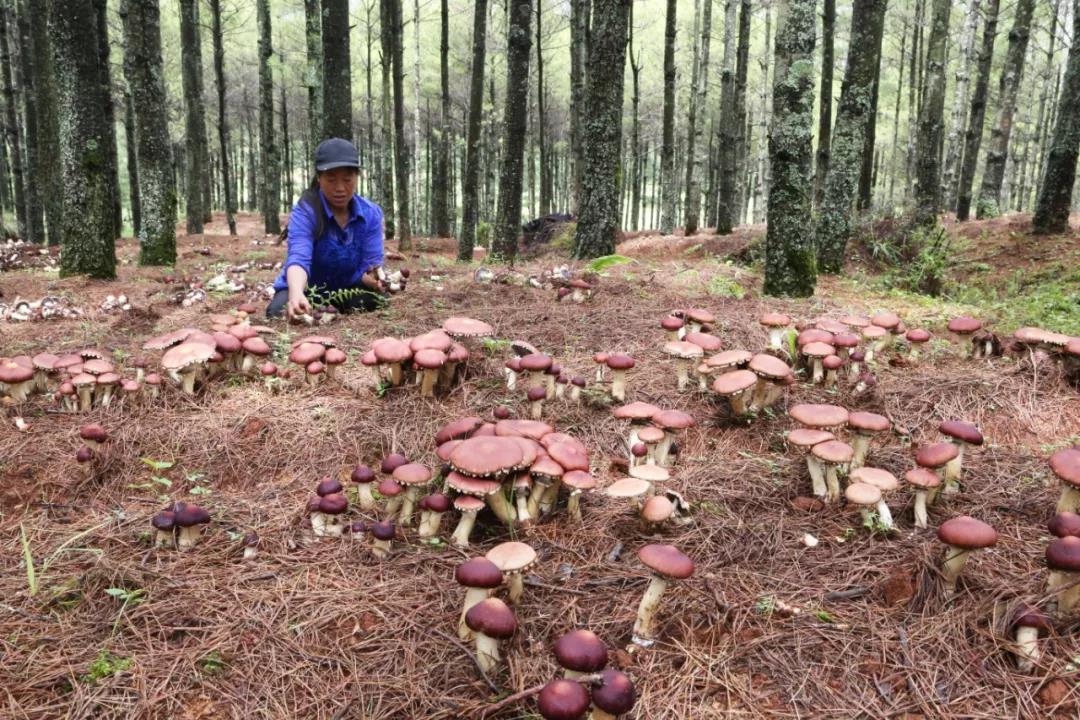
[[364, 301]]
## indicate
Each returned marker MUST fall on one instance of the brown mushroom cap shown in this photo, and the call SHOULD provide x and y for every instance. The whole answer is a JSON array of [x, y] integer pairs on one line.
[[666, 560], [44, 361], [637, 410], [833, 452], [963, 431], [819, 415], [534, 429], [729, 358], [1066, 465], [671, 322], [650, 473], [964, 325], [388, 487], [657, 509], [579, 480], [811, 335], [571, 455], [333, 504], [936, 455], [868, 422], [362, 474], [860, 493], [391, 350], [832, 362], [774, 320], [700, 315], [392, 462], [412, 474], [328, 486], [185, 354], [681, 349], [547, 468], [536, 362], [1064, 554], [620, 361], [512, 556], [770, 367], [650, 434], [433, 340], [830, 325], [458, 429], [705, 341], [615, 693], [429, 359], [881, 479], [917, 335], [13, 373], [468, 504], [1031, 616], [190, 515], [477, 487], [487, 456], [581, 651], [478, 572], [257, 346], [922, 478], [493, 618], [818, 349], [467, 327], [536, 392], [163, 342], [1064, 524], [886, 320], [627, 488], [809, 437], [873, 332], [845, 340], [563, 700], [94, 432], [966, 532], [673, 420], [735, 382]]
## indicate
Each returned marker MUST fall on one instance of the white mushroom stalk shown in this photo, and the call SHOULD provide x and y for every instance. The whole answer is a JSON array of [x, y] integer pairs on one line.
[[953, 467], [380, 548], [860, 446], [832, 482], [682, 372], [618, 384], [188, 537], [817, 476], [188, 376], [473, 596], [1070, 498], [522, 500], [550, 496], [819, 371], [408, 505], [1027, 647], [921, 517], [364, 497], [650, 601], [573, 507], [1070, 597], [501, 506], [487, 652], [541, 484], [776, 337], [885, 518], [460, 536], [86, 397], [427, 383], [955, 559]]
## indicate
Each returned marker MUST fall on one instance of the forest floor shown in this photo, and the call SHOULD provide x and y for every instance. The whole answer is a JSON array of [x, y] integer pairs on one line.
[[107, 627]]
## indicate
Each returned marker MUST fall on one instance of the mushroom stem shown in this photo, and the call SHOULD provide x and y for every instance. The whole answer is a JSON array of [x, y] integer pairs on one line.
[[600, 373], [953, 467], [537, 409], [884, 514], [460, 538], [1067, 599], [318, 524], [501, 506], [757, 394], [407, 505], [643, 626], [511, 379], [575, 393], [380, 548], [867, 517], [618, 384], [396, 376], [832, 484], [523, 500], [955, 559], [393, 505], [1070, 499], [187, 379], [860, 445], [188, 537], [573, 507], [427, 384], [773, 391], [682, 371], [1027, 647], [663, 448], [854, 370], [86, 398], [819, 371], [516, 584], [776, 337], [536, 495], [550, 496], [250, 553], [830, 378], [487, 652], [164, 538], [921, 518], [364, 498], [817, 476], [472, 597], [550, 390], [738, 404]]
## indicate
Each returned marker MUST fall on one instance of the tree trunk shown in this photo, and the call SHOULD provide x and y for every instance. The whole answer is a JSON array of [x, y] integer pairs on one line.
[[695, 153], [106, 95], [667, 153], [86, 229], [599, 220], [313, 77], [864, 199], [725, 219], [132, 162], [269, 160], [764, 171], [977, 115], [541, 117], [821, 168], [997, 153], [337, 79], [470, 203], [285, 202], [742, 66], [896, 116], [852, 120], [415, 163], [392, 24], [1049, 87], [789, 239], [914, 97], [11, 124], [386, 43], [635, 100], [931, 120], [953, 144], [508, 220], [157, 183], [1055, 191], [194, 123], [579, 25], [35, 218], [223, 127], [440, 201]]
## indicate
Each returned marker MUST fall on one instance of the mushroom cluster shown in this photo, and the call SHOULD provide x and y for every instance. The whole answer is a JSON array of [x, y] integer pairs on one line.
[[179, 526], [434, 360], [653, 431]]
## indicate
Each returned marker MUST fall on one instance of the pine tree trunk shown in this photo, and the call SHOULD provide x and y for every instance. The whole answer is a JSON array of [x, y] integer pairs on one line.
[[764, 171], [914, 98], [635, 100], [508, 220], [789, 239], [953, 144], [578, 68], [223, 127], [470, 201], [725, 219], [695, 164], [852, 119], [541, 117], [269, 159], [386, 43], [825, 102], [392, 25], [285, 202], [337, 78], [1011, 74], [742, 66], [12, 124], [600, 184], [415, 162], [313, 75], [1049, 86], [668, 192], [132, 162], [157, 183], [106, 95], [35, 217], [977, 115], [896, 117], [440, 201], [1055, 191], [864, 199], [932, 120], [194, 123], [86, 229]]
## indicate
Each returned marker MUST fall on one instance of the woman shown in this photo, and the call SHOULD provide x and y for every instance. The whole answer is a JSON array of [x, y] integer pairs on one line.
[[335, 240]]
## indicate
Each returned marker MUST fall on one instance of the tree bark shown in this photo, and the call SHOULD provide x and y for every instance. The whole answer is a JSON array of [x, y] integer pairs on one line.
[[1049, 87], [977, 115], [896, 116], [508, 220], [725, 200], [222, 123], [470, 202], [867, 172], [386, 43], [954, 144], [106, 95], [742, 66], [635, 100], [852, 120], [35, 218], [132, 162], [86, 229], [579, 25], [269, 155], [825, 102], [1055, 191], [157, 183], [789, 241], [600, 183], [392, 24], [11, 125], [1009, 87], [667, 151], [695, 163], [441, 199], [931, 120], [541, 117], [194, 122], [764, 171], [337, 78], [313, 75]]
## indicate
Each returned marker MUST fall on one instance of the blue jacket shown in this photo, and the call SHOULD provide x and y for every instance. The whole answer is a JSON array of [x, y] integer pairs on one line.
[[338, 258]]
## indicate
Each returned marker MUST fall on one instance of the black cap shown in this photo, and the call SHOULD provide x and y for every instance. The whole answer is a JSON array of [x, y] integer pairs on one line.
[[336, 153]]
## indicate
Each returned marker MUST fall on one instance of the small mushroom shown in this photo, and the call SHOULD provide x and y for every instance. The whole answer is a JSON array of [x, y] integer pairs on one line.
[[1063, 559], [620, 364], [962, 435], [563, 700], [332, 507], [666, 563], [916, 338], [1029, 623], [536, 397], [578, 482], [833, 455], [925, 483], [412, 476], [686, 355], [93, 435], [479, 576], [1065, 464], [737, 386], [188, 519], [363, 476], [251, 545], [962, 535], [935, 457], [513, 558], [807, 438], [468, 506], [673, 326], [436, 505], [885, 482], [491, 620], [580, 652], [614, 695], [382, 535], [777, 325], [164, 524], [865, 425], [866, 497], [429, 362]]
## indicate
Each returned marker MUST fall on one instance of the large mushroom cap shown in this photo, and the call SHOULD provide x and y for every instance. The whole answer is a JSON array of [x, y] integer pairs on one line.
[[412, 474], [735, 382], [886, 320], [186, 353], [391, 350], [97, 366], [818, 349], [845, 340], [257, 346], [671, 323], [545, 467], [650, 473], [458, 429], [487, 456], [922, 478], [226, 343], [563, 700], [534, 429], [936, 455], [964, 325], [1064, 554], [966, 532], [328, 486], [620, 361], [681, 349], [636, 410], [657, 509], [860, 493], [433, 340], [383, 530], [770, 367], [306, 353], [468, 504], [615, 694], [819, 415], [537, 392], [190, 515], [627, 488], [1031, 616], [673, 420], [392, 462], [493, 618], [868, 422], [962, 431], [429, 359], [775, 320], [1066, 465], [809, 437], [813, 335], [581, 651], [458, 327], [917, 335], [571, 455], [1064, 524], [511, 556], [363, 474], [705, 341], [333, 504], [163, 342], [881, 479], [164, 520], [833, 452], [536, 362], [579, 480], [666, 560], [478, 572]]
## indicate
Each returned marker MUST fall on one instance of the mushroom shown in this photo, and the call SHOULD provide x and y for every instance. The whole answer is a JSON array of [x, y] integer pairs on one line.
[[816, 352], [961, 434], [1064, 524], [737, 387], [890, 322], [773, 376], [632, 489], [845, 344], [184, 362], [188, 519], [833, 455], [363, 476], [867, 497], [651, 437], [164, 524], [563, 700], [536, 397], [697, 318], [1065, 464], [533, 366], [1029, 623], [467, 329], [578, 481], [391, 490], [686, 354], [479, 576], [656, 510], [916, 338], [855, 364], [491, 458], [1063, 559], [962, 535], [577, 384], [545, 473], [962, 327], [807, 438], [580, 652], [600, 360], [671, 422], [865, 425], [513, 558], [392, 353], [333, 358], [84, 385], [885, 482], [614, 695], [413, 476], [332, 507], [619, 363], [672, 325], [776, 324], [251, 545], [44, 365], [468, 506], [638, 453], [876, 338], [255, 350], [667, 563], [935, 457], [436, 505], [84, 455], [639, 414], [93, 435], [832, 364], [925, 483], [429, 362], [492, 621], [382, 535]]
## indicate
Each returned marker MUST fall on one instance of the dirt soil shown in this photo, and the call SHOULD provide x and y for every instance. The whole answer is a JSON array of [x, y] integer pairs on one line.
[[766, 628]]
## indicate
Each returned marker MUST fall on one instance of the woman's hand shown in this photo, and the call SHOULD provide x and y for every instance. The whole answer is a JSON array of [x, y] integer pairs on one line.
[[371, 281], [298, 305]]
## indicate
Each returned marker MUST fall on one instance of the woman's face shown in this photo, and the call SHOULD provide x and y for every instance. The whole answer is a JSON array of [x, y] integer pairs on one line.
[[338, 185]]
